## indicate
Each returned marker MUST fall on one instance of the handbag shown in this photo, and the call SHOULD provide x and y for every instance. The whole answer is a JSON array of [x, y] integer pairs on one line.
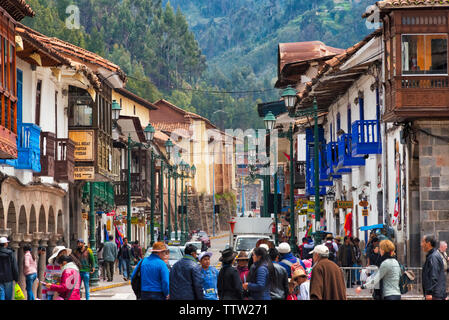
[[136, 281], [18, 293]]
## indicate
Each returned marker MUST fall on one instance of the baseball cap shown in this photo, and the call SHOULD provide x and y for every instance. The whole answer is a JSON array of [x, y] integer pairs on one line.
[[3, 240], [80, 241], [320, 249], [203, 254], [284, 247]]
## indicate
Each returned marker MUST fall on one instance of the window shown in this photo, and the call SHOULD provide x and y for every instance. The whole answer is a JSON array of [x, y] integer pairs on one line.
[[424, 54], [38, 101], [80, 104]]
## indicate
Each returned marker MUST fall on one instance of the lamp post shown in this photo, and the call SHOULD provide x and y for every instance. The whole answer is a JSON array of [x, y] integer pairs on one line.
[[175, 177], [290, 99], [181, 167], [92, 241]]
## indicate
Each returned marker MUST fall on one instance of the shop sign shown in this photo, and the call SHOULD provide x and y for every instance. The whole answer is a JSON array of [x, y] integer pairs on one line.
[[344, 204], [364, 203], [364, 212], [134, 220], [85, 215], [84, 144], [84, 173]]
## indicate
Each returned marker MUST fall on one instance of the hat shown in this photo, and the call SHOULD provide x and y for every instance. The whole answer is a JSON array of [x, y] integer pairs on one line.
[[204, 254], [80, 241], [56, 251], [242, 256], [265, 246], [227, 255], [320, 250], [284, 247], [298, 273], [159, 247], [3, 240]]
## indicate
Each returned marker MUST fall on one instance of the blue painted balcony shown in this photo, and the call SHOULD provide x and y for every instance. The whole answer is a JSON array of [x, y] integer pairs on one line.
[[365, 138], [29, 147], [332, 162], [345, 158]]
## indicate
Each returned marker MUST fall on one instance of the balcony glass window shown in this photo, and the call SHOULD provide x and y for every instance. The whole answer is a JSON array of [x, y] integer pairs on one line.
[[80, 107], [424, 54]]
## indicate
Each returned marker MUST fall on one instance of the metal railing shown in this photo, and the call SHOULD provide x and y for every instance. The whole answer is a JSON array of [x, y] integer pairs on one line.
[[354, 277]]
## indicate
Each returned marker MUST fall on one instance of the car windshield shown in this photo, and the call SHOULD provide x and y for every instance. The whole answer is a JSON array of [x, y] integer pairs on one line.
[[175, 254], [197, 244], [245, 244], [202, 234]]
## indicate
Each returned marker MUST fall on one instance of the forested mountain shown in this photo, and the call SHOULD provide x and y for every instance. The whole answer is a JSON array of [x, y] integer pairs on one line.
[[202, 55]]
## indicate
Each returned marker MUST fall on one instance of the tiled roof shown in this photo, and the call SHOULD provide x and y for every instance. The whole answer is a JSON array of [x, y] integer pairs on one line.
[[73, 52], [404, 4], [18, 9], [136, 98]]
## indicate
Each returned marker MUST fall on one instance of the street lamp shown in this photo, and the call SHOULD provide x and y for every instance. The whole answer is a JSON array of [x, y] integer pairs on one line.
[[115, 110], [168, 147], [149, 132], [290, 99], [270, 121]]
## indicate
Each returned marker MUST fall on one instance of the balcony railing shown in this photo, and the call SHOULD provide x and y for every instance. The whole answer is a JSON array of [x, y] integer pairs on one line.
[[300, 175], [332, 161], [365, 138], [103, 193], [140, 189], [65, 160], [345, 158], [47, 154], [29, 156]]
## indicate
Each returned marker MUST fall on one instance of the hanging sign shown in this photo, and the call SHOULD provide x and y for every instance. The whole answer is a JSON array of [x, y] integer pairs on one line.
[[134, 220], [85, 215], [84, 173], [364, 212], [84, 144], [364, 203], [344, 204]]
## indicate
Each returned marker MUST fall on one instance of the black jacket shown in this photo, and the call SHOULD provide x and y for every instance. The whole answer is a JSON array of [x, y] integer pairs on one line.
[[9, 269], [279, 288], [433, 275], [229, 285], [126, 252], [186, 281]]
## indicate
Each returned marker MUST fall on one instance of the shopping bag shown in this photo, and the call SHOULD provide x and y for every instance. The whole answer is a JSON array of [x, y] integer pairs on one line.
[[18, 293]]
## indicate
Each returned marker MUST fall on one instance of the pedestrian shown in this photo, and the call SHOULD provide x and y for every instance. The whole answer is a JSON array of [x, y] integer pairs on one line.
[[109, 257], [210, 277], [279, 290], [346, 259], [442, 250], [300, 277], [126, 254], [332, 246], [86, 258], [287, 259], [185, 277], [53, 272], [9, 270], [301, 248], [262, 279], [327, 281], [101, 265], [433, 272], [373, 255], [242, 265], [29, 270], [229, 285], [137, 252], [154, 274], [69, 287], [387, 277], [358, 261], [291, 291], [308, 247]]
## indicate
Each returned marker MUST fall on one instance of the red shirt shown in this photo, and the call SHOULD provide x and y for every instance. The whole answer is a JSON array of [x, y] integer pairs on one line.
[[292, 297]]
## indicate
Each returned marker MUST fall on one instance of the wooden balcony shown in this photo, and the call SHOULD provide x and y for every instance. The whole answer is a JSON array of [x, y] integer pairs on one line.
[[47, 154], [345, 158], [411, 97], [8, 144], [29, 148], [65, 160], [366, 138], [140, 188]]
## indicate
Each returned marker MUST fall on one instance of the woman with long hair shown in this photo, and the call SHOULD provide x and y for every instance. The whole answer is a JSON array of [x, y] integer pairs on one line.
[[261, 276], [387, 277], [30, 271]]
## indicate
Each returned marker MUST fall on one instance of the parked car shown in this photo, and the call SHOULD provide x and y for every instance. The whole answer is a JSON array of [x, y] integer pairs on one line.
[[198, 244], [203, 237], [175, 254]]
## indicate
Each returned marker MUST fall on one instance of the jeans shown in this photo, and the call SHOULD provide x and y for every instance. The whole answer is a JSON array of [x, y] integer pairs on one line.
[[126, 268], [85, 279], [356, 274], [396, 297], [148, 295], [120, 263], [30, 278], [6, 290]]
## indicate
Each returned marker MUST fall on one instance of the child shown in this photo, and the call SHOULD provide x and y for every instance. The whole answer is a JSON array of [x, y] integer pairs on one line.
[[291, 290]]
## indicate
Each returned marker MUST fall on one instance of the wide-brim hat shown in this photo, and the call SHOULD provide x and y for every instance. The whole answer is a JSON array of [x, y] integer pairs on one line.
[[56, 251], [298, 273], [159, 247], [243, 255], [227, 255]]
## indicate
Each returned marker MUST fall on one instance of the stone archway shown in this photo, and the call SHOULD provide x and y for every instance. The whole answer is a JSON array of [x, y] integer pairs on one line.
[[22, 228], [11, 218], [33, 220], [51, 221], [60, 223], [42, 220]]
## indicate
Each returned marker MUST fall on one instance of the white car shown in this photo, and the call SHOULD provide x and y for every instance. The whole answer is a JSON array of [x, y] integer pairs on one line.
[[197, 244]]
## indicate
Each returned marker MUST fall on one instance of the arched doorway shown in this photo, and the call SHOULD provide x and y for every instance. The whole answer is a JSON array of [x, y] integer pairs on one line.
[[60, 223], [42, 220], [51, 221], [22, 221], [11, 218], [33, 220]]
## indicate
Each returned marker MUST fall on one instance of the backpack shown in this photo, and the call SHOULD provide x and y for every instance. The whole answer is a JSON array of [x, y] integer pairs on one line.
[[331, 248], [405, 279], [136, 281]]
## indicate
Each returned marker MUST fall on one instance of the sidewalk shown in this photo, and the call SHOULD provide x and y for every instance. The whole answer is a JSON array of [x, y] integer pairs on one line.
[[104, 285]]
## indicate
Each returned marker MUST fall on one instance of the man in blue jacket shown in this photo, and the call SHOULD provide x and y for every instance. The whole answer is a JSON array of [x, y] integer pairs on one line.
[[433, 275], [186, 281], [287, 259], [155, 274]]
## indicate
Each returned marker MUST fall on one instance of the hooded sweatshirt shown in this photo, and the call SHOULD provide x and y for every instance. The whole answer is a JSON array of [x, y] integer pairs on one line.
[[9, 270], [29, 264], [69, 289]]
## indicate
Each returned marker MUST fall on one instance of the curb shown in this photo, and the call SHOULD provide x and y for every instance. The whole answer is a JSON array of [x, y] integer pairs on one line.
[[221, 236], [110, 286]]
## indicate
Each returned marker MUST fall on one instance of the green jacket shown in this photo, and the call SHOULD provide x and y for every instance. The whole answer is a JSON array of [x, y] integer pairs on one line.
[[86, 259]]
